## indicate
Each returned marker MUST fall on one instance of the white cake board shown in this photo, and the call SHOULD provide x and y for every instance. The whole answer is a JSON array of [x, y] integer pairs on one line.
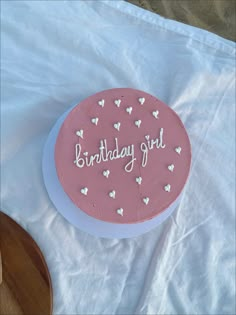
[[76, 216]]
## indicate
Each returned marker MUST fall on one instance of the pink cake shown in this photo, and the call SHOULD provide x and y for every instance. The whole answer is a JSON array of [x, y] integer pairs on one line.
[[122, 156]]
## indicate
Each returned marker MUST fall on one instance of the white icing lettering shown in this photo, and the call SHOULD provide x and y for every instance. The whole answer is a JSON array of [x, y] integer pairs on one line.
[[105, 154], [131, 164], [144, 149], [78, 161], [161, 145]]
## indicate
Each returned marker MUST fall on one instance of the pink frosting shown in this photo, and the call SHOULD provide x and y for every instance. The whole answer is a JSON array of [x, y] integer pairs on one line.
[[155, 175]]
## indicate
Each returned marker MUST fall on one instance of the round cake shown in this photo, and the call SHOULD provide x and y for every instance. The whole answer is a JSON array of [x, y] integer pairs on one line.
[[122, 156]]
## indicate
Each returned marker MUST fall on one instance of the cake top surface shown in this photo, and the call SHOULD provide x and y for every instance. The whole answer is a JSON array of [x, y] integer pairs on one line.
[[122, 156]]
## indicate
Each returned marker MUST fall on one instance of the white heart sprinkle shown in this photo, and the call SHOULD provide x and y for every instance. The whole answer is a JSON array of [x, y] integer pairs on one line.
[[141, 100], [129, 110], [117, 103], [137, 123], [155, 113], [147, 137], [80, 133], [117, 126], [85, 153], [112, 194], [120, 211], [84, 191], [106, 173], [138, 180], [171, 167], [146, 200], [167, 188], [94, 121], [101, 103], [178, 150]]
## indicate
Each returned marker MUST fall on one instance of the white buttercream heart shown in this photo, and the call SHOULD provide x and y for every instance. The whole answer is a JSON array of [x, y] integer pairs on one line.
[[147, 137], [120, 211], [94, 121], [146, 200], [178, 150], [112, 194], [84, 191], [117, 126], [85, 153], [155, 113], [129, 110], [138, 180], [80, 133], [167, 187], [137, 123], [171, 167], [117, 103], [141, 100], [106, 173], [101, 103]]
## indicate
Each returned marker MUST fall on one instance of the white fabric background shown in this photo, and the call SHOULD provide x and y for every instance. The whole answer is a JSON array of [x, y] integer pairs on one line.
[[54, 54]]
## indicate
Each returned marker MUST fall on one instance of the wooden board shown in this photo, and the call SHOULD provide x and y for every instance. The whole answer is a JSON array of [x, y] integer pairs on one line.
[[26, 286]]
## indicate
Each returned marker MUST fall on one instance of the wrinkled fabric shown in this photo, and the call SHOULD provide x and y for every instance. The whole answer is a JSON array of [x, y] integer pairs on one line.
[[56, 53]]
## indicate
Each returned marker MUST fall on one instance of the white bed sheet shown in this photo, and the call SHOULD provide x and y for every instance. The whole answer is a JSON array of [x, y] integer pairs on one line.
[[54, 54]]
